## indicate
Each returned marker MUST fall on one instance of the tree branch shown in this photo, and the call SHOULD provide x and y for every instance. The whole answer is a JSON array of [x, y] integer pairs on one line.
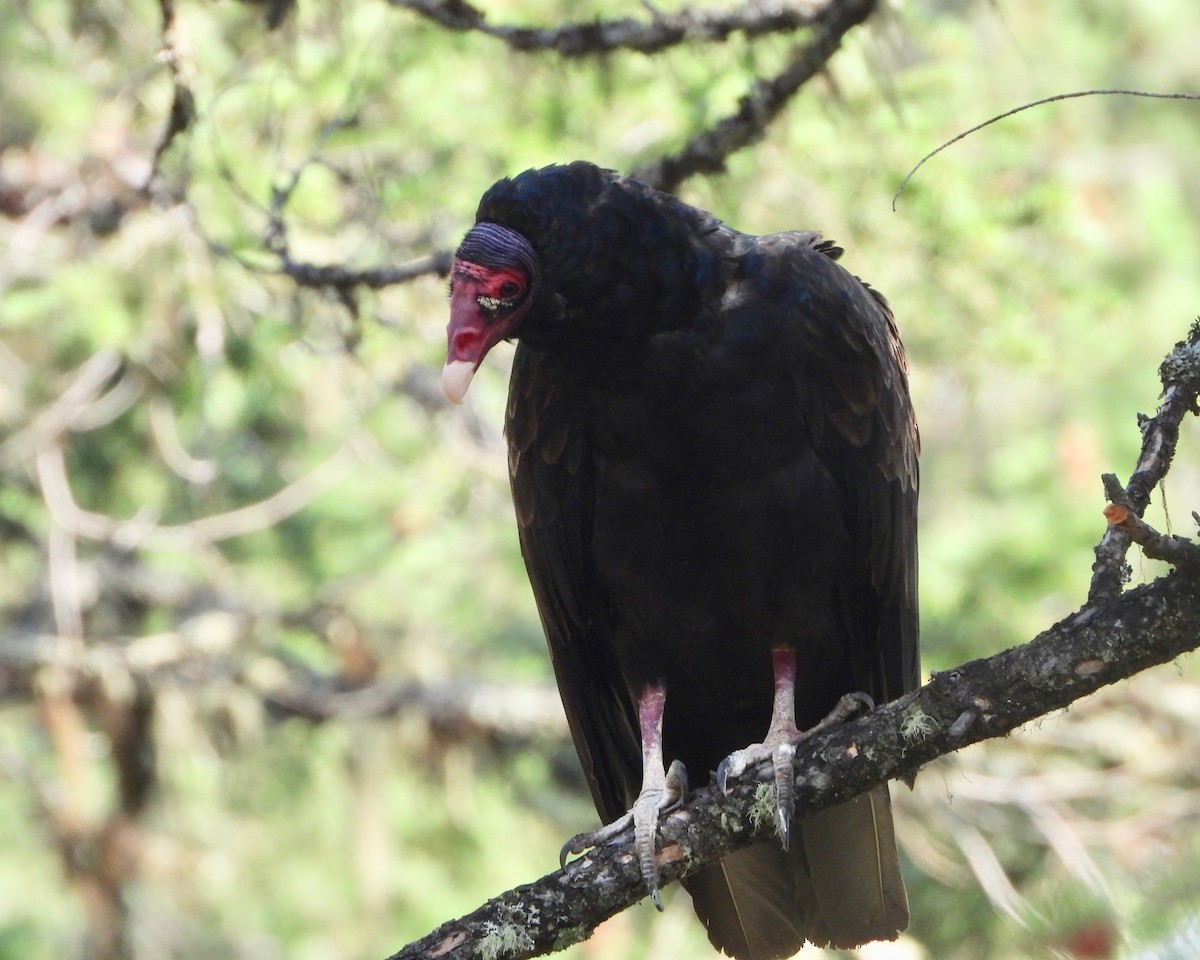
[[1177, 551], [345, 279], [183, 102], [1180, 375], [1099, 645], [604, 36], [707, 151], [209, 642], [341, 279], [144, 530]]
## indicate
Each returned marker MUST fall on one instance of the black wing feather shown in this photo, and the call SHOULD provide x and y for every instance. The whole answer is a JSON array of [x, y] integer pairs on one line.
[[851, 377], [550, 473]]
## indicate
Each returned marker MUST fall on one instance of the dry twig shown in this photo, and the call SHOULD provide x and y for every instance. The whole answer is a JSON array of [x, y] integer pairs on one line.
[[1180, 374], [1028, 106]]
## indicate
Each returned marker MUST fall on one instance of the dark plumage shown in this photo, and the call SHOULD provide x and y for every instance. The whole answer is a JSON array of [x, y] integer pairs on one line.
[[713, 457]]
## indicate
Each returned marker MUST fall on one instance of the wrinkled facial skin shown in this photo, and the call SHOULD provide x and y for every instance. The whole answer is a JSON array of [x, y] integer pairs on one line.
[[482, 299], [486, 303]]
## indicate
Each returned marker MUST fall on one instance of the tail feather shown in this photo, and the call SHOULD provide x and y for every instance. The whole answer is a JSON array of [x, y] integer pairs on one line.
[[839, 885], [747, 901], [855, 871]]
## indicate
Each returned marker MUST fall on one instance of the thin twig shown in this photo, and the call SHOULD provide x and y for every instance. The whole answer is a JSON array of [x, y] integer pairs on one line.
[[164, 428], [339, 277], [1030, 106], [183, 103], [72, 404], [1178, 551]]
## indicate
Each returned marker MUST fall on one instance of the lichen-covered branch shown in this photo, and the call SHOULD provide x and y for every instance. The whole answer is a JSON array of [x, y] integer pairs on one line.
[[1175, 550], [987, 698], [661, 30], [1180, 374], [707, 151]]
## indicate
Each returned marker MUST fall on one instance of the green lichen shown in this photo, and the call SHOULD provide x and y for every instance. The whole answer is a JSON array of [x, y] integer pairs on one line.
[[1182, 365], [762, 811], [569, 936], [917, 725], [504, 941], [508, 933]]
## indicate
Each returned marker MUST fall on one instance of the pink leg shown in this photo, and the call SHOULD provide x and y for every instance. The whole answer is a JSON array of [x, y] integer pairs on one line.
[[779, 746], [662, 790], [783, 708]]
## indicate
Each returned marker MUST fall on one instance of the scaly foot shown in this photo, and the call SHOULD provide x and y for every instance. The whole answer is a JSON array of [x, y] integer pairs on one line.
[[779, 745], [662, 791], [660, 796]]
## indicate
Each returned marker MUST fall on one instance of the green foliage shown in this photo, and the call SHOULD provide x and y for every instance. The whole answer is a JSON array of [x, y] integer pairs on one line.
[[1039, 270]]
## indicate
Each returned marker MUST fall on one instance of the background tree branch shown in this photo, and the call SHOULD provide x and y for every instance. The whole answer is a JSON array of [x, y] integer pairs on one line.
[[662, 30], [708, 150], [705, 152]]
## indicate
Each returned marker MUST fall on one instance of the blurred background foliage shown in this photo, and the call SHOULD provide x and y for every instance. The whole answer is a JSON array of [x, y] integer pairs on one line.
[[240, 506]]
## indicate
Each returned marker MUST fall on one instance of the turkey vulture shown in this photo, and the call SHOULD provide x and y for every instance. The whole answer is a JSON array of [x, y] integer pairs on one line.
[[713, 460]]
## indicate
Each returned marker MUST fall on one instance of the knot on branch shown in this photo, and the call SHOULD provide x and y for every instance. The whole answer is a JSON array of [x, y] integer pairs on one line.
[[1181, 367]]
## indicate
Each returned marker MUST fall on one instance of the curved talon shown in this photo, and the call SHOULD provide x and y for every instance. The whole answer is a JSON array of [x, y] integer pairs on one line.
[[577, 844], [732, 767], [593, 838], [779, 745], [785, 789], [650, 805], [677, 779], [850, 705]]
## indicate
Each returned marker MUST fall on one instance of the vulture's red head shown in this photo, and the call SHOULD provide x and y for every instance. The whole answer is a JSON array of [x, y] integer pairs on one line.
[[493, 283]]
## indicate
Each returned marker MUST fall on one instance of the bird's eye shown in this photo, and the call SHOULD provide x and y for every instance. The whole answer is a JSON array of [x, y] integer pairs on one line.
[[509, 289]]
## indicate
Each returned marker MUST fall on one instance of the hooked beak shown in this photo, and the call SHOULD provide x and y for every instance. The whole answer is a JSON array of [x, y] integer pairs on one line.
[[456, 378], [469, 336]]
